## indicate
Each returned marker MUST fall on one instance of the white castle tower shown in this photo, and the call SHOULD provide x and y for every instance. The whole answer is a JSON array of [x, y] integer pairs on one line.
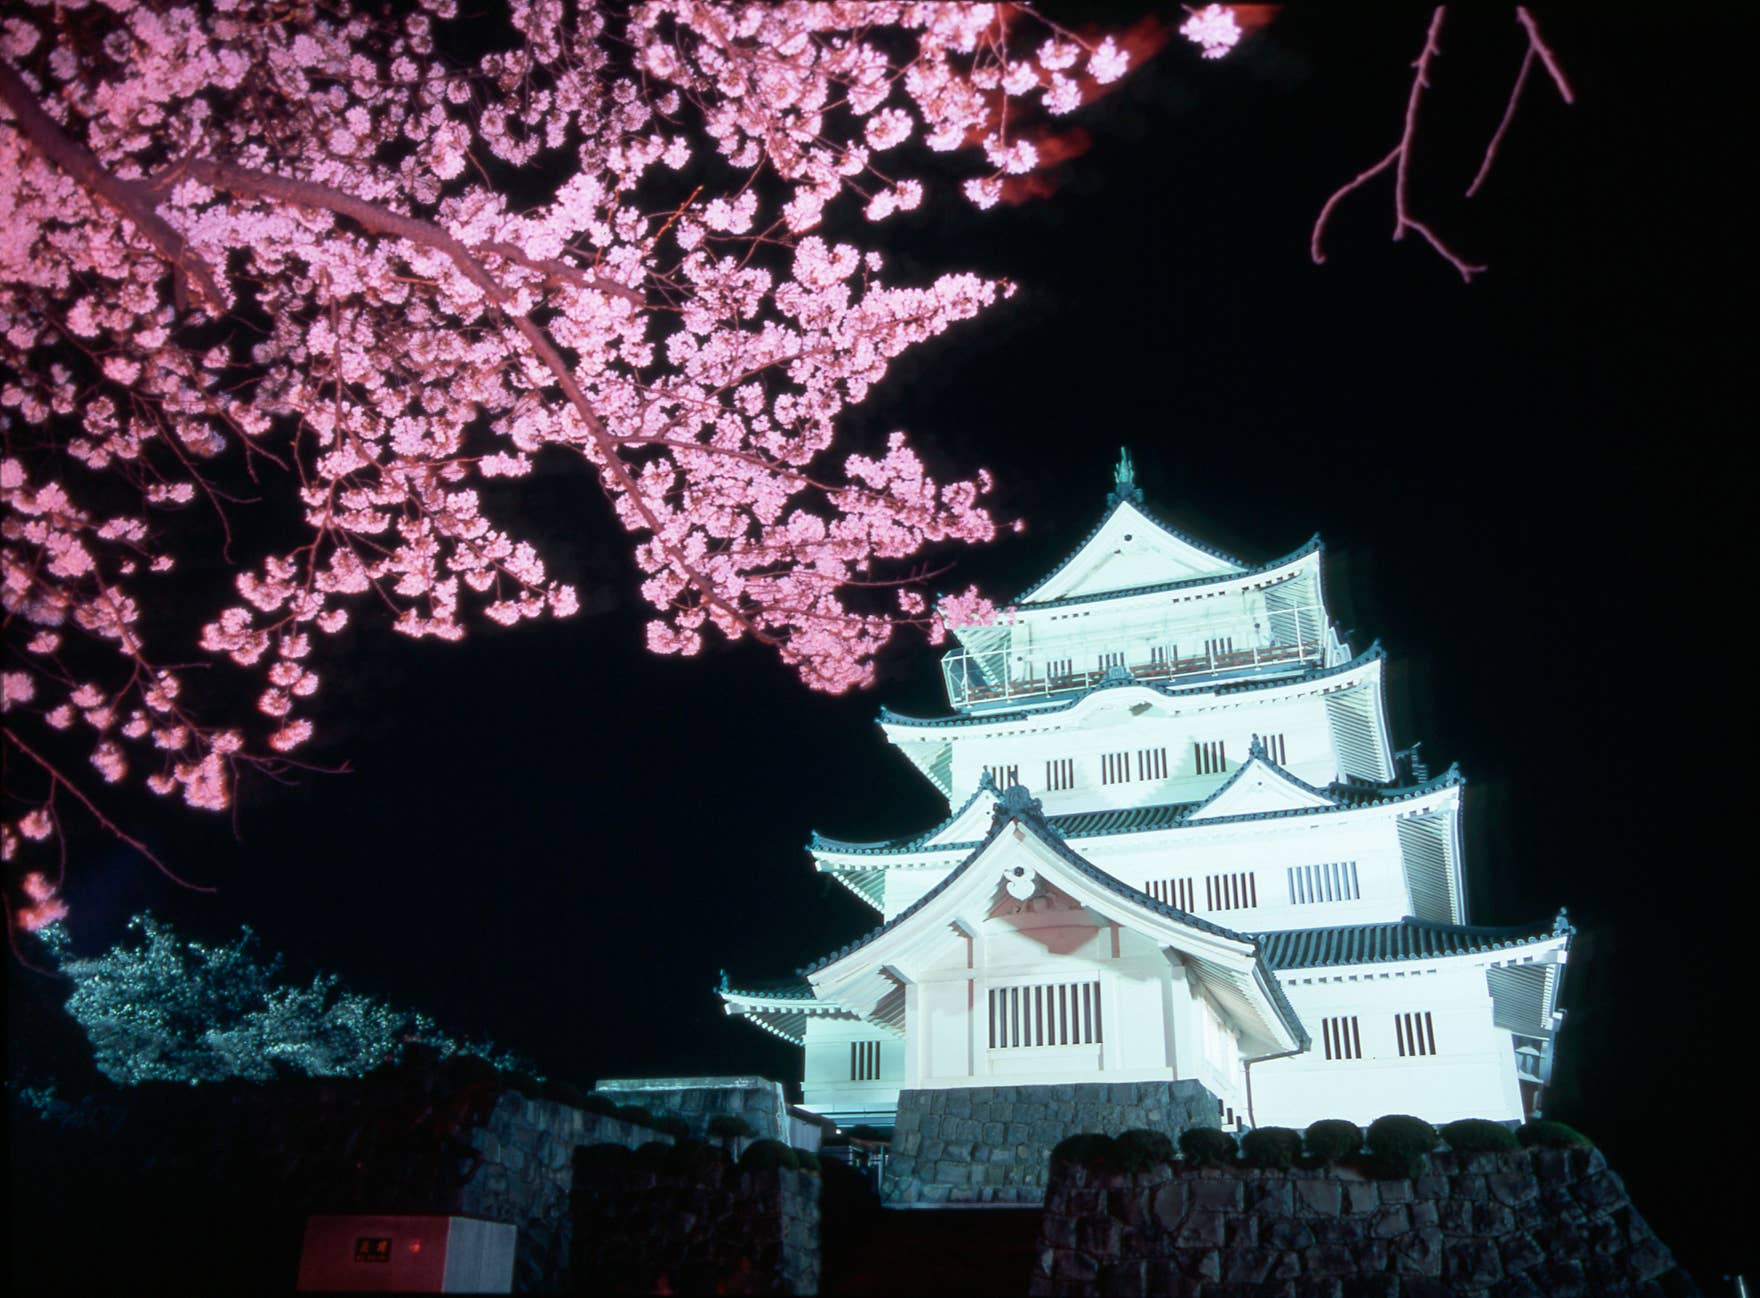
[[1180, 848]]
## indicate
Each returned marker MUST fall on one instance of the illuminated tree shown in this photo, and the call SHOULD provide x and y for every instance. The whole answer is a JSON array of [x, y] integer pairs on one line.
[[269, 256]]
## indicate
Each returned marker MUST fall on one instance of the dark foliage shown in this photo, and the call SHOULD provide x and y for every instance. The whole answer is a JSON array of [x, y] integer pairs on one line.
[[1206, 1147], [1331, 1139], [1478, 1136], [765, 1155], [729, 1126], [1085, 1149], [1139, 1150], [1272, 1146], [562, 1092], [1543, 1133], [1401, 1143]]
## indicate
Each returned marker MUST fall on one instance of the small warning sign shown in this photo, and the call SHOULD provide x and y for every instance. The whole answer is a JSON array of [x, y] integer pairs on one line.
[[369, 1248]]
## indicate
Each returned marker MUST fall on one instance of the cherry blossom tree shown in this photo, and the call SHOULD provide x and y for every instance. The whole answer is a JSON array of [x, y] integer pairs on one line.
[[265, 260]]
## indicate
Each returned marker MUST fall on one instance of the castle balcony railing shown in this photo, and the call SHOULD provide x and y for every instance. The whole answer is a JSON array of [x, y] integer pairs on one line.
[[977, 680]]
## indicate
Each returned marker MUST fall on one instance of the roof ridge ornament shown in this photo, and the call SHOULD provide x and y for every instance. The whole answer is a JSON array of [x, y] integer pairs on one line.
[[1257, 749], [1016, 801], [1124, 482]]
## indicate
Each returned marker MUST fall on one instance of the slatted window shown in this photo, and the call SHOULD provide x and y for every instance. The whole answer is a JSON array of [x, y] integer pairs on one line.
[[1220, 645], [1115, 768], [1111, 660], [1171, 892], [1163, 654], [1341, 1038], [1054, 1014], [1060, 773], [1231, 891], [1151, 763], [1004, 776], [1330, 881], [1415, 1033], [1211, 757], [1060, 667], [1275, 749], [864, 1061]]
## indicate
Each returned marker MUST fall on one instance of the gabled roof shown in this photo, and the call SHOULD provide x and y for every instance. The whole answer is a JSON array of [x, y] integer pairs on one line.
[[1017, 807], [1406, 939], [780, 1008], [1208, 685], [1313, 545], [819, 843], [1157, 547], [1260, 785], [1162, 816]]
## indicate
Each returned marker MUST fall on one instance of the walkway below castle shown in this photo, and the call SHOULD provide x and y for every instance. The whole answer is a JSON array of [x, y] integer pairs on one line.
[[975, 1250]]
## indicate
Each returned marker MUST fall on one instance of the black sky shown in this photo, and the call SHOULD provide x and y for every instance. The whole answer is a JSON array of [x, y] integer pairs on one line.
[[1529, 490]]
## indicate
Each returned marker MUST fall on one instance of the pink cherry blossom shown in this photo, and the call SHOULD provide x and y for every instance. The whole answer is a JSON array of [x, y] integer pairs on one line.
[[425, 333]]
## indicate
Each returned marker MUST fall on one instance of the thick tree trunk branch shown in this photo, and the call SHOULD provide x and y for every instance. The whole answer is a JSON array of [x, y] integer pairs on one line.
[[133, 200]]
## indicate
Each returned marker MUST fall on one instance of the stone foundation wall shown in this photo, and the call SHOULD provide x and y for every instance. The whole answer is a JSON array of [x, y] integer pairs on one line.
[[1517, 1225], [697, 1099], [714, 1229], [526, 1176], [992, 1144]]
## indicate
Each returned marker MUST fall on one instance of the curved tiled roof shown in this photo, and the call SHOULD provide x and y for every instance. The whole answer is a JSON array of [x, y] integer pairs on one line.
[[1312, 545], [821, 843], [1015, 807], [889, 717], [788, 989], [1166, 815], [1406, 939]]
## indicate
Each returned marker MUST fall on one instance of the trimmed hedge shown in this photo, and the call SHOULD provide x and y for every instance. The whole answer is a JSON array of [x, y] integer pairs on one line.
[[1207, 1146], [1401, 1142], [1272, 1146], [729, 1126], [1139, 1150], [1086, 1149], [1331, 1139], [765, 1155], [1478, 1136], [1543, 1133], [635, 1113], [672, 1125], [599, 1104], [562, 1092]]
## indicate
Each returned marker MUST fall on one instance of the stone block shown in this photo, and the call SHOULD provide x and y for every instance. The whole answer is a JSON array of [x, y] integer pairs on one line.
[[1398, 1190], [1371, 1257], [1512, 1189], [1474, 1262], [1270, 1196], [1360, 1197], [1317, 1198], [991, 1133], [1100, 1236], [1470, 1188], [1390, 1221], [1204, 1265], [1330, 1260], [1246, 1266], [1200, 1229], [1418, 1253], [1224, 1195], [1170, 1205], [1520, 1253], [1424, 1212], [1286, 1233]]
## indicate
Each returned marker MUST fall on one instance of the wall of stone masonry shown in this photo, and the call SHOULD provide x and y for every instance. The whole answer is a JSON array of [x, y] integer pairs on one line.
[[526, 1176], [698, 1099], [1537, 1222], [712, 1229], [992, 1144]]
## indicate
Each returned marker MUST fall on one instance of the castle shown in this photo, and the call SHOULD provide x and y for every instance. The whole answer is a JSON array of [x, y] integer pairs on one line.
[[1180, 848]]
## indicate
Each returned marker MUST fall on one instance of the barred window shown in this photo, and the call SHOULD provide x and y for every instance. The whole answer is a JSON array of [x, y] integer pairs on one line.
[[1275, 748], [864, 1061], [1330, 881], [1055, 1014], [1151, 763], [1060, 667], [1171, 892], [1341, 1038], [1003, 776], [1231, 891], [1211, 758], [1115, 768], [1415, 1033], [1060, 773], [1111, 660]]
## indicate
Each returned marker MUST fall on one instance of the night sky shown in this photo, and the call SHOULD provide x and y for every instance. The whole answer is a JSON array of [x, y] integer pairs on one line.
[[1528, 488]]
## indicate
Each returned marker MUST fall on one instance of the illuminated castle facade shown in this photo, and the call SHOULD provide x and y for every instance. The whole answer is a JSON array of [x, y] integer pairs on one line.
[[1180, 845]]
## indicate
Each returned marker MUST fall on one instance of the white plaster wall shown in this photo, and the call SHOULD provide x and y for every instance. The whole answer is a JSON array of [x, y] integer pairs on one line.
[[1472, 1074], [1108, 726], [826, 1085]]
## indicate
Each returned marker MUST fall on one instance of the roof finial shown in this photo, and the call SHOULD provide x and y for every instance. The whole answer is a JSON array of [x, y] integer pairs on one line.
[[1124, 480], [724, 986]]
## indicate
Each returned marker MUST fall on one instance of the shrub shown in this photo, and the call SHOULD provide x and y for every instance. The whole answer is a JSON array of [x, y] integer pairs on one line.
[[562, 1092], [670, 1124], [1088, 1149], [1543, 1133], [1207, 1146], [729, 1126], [1272, 1146], [808, 1160], [602, 1162], [1478, 1136], [764, 1155], [527, 1085], [1139, 1150], [635, 1113], [1401, 1142], [657, 1156], [470, 1070], [605, 1108], [1331, 1139]]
